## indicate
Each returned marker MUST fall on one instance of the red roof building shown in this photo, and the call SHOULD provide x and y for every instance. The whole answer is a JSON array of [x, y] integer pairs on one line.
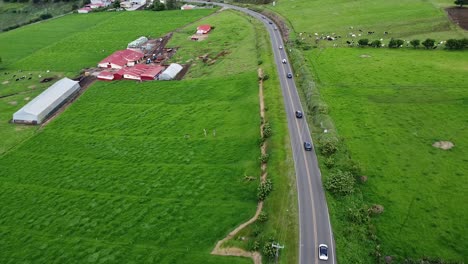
[[141, 72], [203, 29], [121, 58], [105, 76]]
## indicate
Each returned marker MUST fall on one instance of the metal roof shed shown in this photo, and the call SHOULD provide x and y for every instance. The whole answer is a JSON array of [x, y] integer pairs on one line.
[[171, 72], [47, 102]]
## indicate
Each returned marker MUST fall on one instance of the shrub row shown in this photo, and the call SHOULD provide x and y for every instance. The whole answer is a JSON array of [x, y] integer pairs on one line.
[[451, 44], [34, 20]]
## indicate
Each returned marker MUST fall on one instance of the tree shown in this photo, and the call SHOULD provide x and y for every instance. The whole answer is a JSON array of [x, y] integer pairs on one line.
[[116, 4], [363, 42], [158, 6], [415, 43], [454, 44], [171, 4], [395, 43], [328, 144], [264, 189], [376, 43], [340, 183], [460, 3], [428, 43]]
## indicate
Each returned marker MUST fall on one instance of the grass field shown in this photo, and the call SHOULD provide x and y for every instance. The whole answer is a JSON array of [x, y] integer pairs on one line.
[[389, 118], [126, 174], [215, 46], [63, 47], [77, 41], [142, 183], [389, 107], [12, 14]]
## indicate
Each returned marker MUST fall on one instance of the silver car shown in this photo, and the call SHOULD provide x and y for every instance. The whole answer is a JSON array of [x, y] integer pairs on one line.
[[323, 252]]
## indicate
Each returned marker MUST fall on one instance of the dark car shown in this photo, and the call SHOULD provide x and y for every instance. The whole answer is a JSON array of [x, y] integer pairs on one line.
[[307, 146], [289, 75], [298, 114], [323, 252], [269, 22]]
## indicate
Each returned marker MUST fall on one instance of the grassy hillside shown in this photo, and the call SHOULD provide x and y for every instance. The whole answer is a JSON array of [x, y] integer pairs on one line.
[[142, 183], [126, 174], [389, 106], [389, 117], [16, 13], [62, 47]]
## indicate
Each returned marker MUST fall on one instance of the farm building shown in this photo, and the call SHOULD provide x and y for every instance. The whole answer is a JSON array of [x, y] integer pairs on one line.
[[203, 29], [187, 7], [137, 43], [47, 102], [84, 10], [142, 72], [121, 58], [105, 76], [171, 72]]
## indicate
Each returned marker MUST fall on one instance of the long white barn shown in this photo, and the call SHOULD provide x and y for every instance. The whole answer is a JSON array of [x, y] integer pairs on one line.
[[47, 102]]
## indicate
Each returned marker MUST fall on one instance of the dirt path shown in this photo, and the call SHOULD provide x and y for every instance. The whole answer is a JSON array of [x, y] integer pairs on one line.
[[233, 251]]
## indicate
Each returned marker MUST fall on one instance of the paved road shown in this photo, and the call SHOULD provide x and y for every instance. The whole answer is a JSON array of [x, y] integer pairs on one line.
[[314, 221]]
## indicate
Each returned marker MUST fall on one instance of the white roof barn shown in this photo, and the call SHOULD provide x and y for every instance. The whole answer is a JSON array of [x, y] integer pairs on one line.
[[137, 43], [171, 72], [47, 102]]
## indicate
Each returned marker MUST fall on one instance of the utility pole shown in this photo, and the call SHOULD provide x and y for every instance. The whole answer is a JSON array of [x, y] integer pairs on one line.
[[278, 247]]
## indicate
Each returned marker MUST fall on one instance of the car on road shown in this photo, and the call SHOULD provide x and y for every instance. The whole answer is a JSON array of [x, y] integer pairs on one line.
[[289, 75], [308, 147], [298, 114], [269, 22], [280, 47], [284, 61], [323, 252]]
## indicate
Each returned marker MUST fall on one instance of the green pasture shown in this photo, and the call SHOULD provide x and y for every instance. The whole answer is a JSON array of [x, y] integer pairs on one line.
[[65, 46], [405, 19], [77, 41], [126, 174], [15, 13], [225, 57], [390, 108]]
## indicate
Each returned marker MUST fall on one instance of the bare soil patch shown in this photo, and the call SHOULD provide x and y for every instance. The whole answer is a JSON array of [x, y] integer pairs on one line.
[[445, 145], [13, 103], [5, 82], [459, 16], [365, 56]]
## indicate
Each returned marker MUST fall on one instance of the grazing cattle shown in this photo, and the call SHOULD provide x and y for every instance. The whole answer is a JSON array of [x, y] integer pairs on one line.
[[385, 33], [370, 32], [14, 75], [360, 30], [17, 79], [29, 78], [353, 36]]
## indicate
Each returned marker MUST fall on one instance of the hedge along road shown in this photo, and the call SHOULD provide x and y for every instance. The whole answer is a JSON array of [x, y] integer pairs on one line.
[[314, 221]]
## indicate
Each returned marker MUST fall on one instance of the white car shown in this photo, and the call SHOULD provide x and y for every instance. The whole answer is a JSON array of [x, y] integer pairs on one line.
[[280, 47], [284, 61], [323, 252]]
